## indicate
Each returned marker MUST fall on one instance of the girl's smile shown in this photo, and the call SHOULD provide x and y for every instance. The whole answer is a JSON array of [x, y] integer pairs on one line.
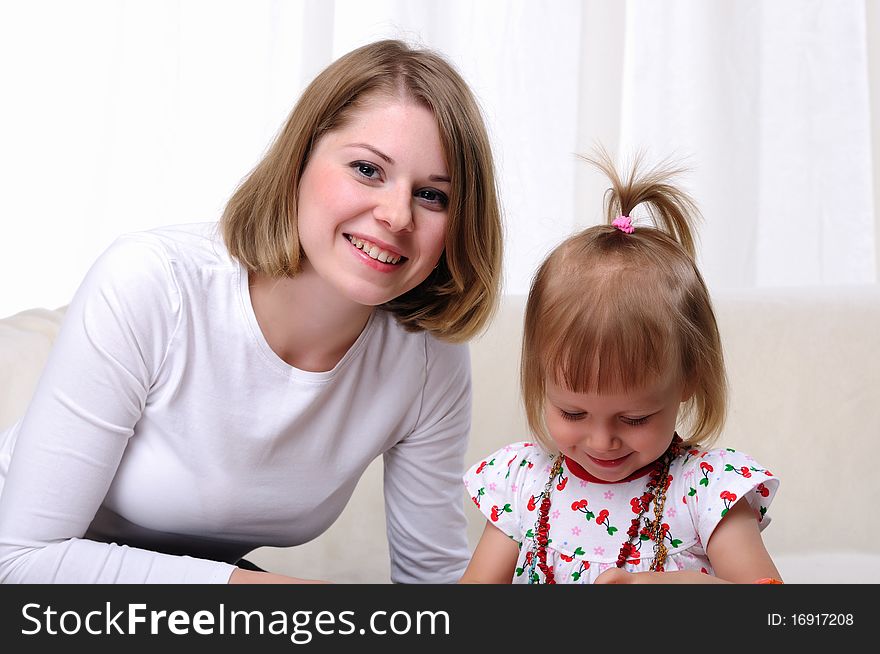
[[607, 463]]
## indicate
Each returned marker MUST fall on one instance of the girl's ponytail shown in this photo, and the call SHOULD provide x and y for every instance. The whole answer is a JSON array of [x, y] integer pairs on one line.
[[671, 209]]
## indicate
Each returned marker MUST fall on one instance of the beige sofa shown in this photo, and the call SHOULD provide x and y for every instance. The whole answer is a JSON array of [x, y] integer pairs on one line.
[[804, 367]]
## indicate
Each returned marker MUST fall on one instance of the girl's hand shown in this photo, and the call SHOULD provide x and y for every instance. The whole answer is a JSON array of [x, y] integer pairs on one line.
[[618, 576], [240, 576]]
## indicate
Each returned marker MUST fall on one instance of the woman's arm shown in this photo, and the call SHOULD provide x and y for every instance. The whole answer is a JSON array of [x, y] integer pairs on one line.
[[494, 558], [424, 510], [71, 441], [240, 576]]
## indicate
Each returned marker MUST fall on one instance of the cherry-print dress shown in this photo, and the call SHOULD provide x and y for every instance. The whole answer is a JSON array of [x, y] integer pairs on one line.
[[589, 518]]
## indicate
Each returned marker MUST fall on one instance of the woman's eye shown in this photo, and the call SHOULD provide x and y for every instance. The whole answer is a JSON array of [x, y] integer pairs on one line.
[[571, 416], [432, 196], [635, 421], [366, 169]]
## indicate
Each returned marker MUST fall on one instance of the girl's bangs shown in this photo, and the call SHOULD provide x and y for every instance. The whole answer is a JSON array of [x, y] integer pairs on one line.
[[608, 352]]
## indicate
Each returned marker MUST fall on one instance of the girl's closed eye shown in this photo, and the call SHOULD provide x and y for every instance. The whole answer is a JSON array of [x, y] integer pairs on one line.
[[635, 421], [570, 415]]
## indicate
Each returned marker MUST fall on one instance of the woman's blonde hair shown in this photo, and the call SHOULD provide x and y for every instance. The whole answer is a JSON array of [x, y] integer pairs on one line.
[[610, 311], [259, 223]]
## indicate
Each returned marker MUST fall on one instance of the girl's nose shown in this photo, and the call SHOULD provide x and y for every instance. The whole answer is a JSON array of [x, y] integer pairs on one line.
[[601, 439]]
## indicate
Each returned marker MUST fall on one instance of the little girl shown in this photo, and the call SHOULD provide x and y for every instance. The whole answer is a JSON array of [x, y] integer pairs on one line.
[[624, 387]]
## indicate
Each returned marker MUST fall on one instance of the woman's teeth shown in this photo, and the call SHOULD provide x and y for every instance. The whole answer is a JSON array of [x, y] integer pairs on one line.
[[374, 251]]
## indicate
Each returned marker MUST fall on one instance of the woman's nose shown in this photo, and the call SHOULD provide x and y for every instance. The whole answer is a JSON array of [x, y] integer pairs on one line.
[[395, 209]]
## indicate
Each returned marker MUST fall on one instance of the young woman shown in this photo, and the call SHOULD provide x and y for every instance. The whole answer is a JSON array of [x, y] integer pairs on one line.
[[216, 388]]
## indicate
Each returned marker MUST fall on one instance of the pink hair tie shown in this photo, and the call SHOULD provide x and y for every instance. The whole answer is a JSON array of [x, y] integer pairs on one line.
[[624, 224]]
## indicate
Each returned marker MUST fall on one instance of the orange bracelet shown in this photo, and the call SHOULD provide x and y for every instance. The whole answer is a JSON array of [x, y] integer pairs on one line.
[[768, 580]]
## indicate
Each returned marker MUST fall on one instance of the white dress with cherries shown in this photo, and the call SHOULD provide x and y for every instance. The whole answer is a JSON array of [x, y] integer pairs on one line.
[[589, 518]]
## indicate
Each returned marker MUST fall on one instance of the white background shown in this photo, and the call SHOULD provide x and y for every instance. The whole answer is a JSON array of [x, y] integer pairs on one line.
[[124, 115]]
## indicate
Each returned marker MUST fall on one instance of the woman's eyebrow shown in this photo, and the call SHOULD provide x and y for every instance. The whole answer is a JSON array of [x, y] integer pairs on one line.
[[374, 150]]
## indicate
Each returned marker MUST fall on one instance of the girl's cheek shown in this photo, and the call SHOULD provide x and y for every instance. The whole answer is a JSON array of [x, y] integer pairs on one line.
[[564, 434]]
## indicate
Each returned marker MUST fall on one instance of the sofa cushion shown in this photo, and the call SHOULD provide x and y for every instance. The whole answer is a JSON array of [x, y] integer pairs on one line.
[[25, 340]]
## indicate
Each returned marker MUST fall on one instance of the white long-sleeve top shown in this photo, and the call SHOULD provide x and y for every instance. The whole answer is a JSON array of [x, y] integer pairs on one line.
[[166, 439]]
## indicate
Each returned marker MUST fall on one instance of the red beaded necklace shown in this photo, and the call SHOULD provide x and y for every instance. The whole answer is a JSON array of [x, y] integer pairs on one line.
[[655, 491]]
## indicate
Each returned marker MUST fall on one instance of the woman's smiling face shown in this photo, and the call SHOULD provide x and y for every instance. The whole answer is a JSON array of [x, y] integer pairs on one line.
[[372, 203]]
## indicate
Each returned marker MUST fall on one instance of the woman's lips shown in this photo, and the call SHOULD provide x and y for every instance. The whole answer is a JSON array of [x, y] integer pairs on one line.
[[608, 463]]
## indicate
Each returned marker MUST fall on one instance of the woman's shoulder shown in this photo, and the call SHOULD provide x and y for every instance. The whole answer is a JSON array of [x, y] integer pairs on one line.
[[434, 346], [439, 358], [156, 271], [195, 245], [199, 244]]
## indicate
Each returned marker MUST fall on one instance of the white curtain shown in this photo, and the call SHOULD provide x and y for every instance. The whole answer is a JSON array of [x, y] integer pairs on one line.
[[769, 102], [123, 115]]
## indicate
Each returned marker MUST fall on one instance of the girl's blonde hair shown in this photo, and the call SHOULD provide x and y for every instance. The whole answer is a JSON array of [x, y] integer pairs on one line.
[[259, 223], [610, 311]]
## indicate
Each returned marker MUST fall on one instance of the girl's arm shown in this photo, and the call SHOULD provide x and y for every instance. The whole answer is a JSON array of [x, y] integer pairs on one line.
[[736, 551], [494, 558]]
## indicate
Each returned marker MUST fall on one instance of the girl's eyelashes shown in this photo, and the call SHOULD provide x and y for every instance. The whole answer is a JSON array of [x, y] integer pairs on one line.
[[574, 416]]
